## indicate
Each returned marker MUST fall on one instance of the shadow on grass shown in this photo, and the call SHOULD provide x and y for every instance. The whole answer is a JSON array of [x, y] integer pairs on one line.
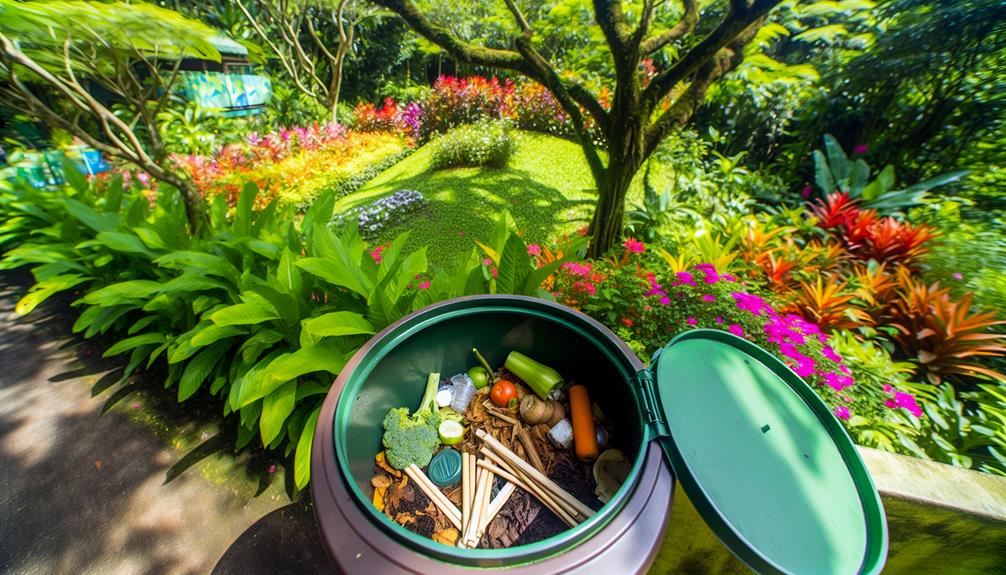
[[464, 205]]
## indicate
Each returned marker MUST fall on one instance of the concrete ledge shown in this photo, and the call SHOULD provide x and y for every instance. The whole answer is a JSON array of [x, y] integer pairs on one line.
[[942, 519]]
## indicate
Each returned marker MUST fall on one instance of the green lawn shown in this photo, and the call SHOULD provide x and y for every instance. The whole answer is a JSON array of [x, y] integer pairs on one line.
[[547, 187]]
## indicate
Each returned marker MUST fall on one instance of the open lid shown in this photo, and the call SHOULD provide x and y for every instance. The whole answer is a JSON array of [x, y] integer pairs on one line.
[[763, 459]]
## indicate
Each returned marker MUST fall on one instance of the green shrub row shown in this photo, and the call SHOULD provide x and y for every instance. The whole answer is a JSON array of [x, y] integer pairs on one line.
[[489, 144], [261, 312]]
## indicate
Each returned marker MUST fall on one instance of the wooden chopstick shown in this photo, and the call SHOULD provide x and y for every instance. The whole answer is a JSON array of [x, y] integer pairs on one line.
[[546, 499], [527, 469], [466, 503], [435, 495]]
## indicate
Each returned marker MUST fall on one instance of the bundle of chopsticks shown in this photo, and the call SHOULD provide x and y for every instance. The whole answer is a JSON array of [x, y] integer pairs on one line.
[[478, 507]]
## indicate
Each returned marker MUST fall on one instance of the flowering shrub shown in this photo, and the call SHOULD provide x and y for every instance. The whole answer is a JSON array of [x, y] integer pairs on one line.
[[374, 218], [484, 143], [297, 165], [652, 308], [454, 102]]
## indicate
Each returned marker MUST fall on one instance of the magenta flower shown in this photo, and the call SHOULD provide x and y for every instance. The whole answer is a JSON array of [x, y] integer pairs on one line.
[[904, 401], [425, 285], [958, 276], [837, 382], [736, 330], [718, 319], [272, 468], [842, 412], [861, 149], [691, 321], [728, 277], [709, 297], [684, 278], [534, 250], [634, 246], [487, 262], [829, 353], [665, 300], [376, 253], [576, 268], [805, 193], [888, 388], [748, 302], [709, 273]]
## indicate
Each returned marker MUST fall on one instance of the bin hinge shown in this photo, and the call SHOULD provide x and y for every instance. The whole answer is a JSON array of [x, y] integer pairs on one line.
[[652, 413]]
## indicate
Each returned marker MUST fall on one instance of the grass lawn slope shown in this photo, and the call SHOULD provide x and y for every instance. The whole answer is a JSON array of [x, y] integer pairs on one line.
[[547, 187]]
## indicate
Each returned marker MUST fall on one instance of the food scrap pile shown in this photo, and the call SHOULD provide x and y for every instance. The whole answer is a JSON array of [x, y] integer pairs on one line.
[[496, 458]]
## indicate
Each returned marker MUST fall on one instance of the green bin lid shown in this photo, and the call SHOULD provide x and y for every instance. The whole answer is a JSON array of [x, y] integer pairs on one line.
[[763, 459]]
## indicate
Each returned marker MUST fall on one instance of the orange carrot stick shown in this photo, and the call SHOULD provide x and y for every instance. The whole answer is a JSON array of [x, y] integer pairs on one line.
[[584, 434]]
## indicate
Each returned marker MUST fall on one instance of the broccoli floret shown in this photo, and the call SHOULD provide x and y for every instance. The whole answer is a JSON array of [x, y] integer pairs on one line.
[[413, 438]]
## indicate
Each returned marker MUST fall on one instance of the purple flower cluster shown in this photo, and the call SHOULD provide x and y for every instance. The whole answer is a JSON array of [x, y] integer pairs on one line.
[[383, 213]]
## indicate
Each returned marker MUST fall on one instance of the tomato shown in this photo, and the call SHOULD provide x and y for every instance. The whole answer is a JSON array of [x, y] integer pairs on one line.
[[503, 392]]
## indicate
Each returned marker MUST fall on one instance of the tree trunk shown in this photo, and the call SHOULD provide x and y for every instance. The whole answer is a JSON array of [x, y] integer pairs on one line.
[[625, 157], [336, 85], [195, 205]]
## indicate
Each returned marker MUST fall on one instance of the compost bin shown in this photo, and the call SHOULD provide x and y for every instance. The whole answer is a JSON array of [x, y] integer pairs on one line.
[[762, 458]]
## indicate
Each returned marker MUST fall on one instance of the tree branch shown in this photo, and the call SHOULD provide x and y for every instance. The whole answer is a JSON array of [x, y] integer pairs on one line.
[[464, 51], [609, 16], [684, 26], [730, 28], [685, 105]]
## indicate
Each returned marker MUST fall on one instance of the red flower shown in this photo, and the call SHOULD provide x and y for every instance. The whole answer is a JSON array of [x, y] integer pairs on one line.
[[627, 322]]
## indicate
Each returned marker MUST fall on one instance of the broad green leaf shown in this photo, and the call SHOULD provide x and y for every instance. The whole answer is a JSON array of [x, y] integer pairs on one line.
[[133, 342], [208, 264], [197, 370], [289, 366], [150, 238], [338, 323], [242, 314], [123, 242], [288, 274], [190, 282], [514, 266], [45, 289], [276, 407], [122, 292], [97, 221], [73, 176], [243, 211], [215, 333], [302, 458]]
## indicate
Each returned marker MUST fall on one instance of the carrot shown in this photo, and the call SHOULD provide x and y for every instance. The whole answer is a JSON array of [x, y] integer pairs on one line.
[[584, 434]]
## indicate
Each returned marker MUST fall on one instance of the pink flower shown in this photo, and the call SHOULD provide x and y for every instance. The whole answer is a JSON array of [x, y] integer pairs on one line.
[[665, 300], [751, 303], [272, 468], [829, 353], [736, 330], [425, 285], [728, 277], [584, 286], [487, 262], [627, 322], [718, 319], [534, 249], [842, 412], [958, 276], [888, 388], [691, 321], [684, 278], [576, 268], [860, 149], [709, 273], [805, 193], [905, 401], [709, 297], [376, 253], [135, 405], [837, 382], [634, 246]]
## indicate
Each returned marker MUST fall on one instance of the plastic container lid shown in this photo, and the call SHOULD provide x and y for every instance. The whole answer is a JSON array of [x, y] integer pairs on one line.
[[445, 468], [762, 458]]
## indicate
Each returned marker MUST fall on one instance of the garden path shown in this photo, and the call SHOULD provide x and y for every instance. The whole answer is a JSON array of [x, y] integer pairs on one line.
[[85, 493]]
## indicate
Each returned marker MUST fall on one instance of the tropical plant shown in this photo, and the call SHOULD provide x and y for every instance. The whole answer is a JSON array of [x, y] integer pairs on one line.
[[944, 336], [834, 172], [54, 51]]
